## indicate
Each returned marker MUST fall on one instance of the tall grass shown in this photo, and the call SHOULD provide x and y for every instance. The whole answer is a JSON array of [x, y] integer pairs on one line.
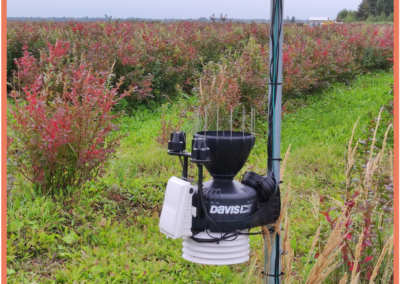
[[330, 265]]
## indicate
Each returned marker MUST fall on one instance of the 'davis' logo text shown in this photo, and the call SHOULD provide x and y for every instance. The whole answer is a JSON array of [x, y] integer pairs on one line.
[[230, 209]]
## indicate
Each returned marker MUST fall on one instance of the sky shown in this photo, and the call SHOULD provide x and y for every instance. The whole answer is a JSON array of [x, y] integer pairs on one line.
[[175, 9]]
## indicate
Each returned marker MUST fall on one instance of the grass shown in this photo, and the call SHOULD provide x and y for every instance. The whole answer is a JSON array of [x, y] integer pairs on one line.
[[108, 232]]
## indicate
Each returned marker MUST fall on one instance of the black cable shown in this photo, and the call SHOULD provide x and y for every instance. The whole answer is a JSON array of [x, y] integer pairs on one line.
[[270, 275], [228, 236], [266, 190], [203, 204], [180, 159], [264, 185], [201, 195], [277, 257]]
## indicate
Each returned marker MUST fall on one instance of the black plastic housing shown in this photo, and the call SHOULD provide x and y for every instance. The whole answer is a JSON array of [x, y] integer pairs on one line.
[[229, 152], [232, 205], [200, 151], [267, 213], [177, 142], [229, 199]]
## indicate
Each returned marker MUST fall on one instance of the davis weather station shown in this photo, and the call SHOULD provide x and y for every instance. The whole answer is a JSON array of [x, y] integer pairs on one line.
[[215, 217]]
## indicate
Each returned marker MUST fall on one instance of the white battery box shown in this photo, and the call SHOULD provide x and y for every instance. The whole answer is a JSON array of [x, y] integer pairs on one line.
[[176, 214]]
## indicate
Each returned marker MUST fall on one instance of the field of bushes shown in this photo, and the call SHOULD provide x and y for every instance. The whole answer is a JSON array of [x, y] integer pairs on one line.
[[90, 109]]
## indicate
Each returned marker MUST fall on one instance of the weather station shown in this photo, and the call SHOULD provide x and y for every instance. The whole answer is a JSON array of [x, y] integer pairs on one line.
[[215, 217]]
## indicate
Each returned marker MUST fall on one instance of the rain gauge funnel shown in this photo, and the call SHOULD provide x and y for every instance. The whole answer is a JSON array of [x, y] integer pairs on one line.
[[229, 152]]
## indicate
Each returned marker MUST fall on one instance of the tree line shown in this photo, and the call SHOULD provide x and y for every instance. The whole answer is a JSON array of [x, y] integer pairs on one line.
[[369, 11]]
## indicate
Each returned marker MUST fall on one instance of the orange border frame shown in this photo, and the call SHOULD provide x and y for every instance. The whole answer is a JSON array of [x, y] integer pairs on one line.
[[396, 138], [4, 140]]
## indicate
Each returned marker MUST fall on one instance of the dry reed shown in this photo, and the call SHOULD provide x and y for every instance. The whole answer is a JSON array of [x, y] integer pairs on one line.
[[391, 166], [283, 167], [351, 155], [389, 266], [286, 241], [373, 164], [357, 257], [326, 261], [356, 278], [374, 137], [283, 210], [352, 137], [253, 265], [344, 279], [388, 244], [323, 266], [288, 255], [314, 243]]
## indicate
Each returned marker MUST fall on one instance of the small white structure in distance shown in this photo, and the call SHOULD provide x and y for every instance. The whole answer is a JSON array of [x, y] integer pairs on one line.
[[318, 21]]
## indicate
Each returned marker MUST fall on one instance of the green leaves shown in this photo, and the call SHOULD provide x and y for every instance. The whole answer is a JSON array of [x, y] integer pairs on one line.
[[10, 271], [70, 238]]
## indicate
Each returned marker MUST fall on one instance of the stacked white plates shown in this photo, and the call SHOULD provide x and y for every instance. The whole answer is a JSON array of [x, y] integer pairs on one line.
[[224, 253]]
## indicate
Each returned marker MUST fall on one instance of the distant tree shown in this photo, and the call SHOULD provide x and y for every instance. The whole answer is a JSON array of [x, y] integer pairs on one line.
[[389, 7], [213, 18], [380, 6], [223, 18], [109, 18], [371, 19], [386, 6], [350, 17], [364, 10], [390, 18], [342, 14], [375, 8], [382, 17], [293, 20], [372, 5], [369, 10]]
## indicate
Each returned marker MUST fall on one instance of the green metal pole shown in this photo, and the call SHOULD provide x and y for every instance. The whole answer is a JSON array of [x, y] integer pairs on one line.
[[273, 272]]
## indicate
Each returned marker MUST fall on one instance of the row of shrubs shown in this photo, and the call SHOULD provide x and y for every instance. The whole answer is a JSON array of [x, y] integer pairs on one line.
[[155, 58], [67, 78]]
